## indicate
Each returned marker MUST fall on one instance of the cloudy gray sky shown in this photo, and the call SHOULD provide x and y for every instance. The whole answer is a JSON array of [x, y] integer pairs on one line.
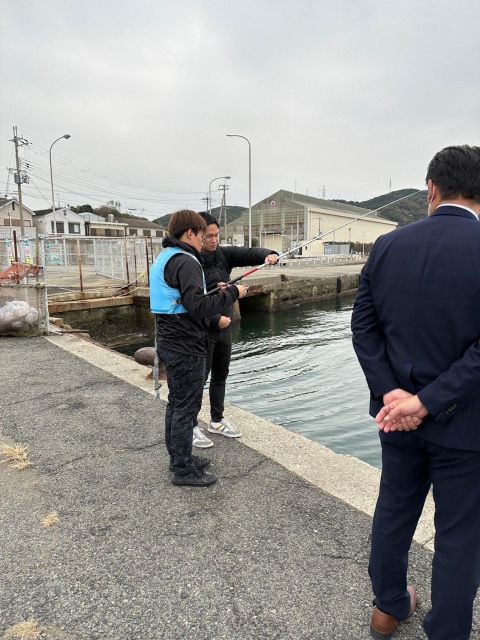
[[341, 95]]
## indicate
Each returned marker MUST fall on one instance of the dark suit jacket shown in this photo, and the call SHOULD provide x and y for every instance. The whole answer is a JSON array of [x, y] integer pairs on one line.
[[416, 322]]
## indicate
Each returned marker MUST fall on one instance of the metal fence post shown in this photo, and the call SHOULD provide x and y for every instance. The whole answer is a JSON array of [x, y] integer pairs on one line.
[[15, 248], [126, 258], [148, 264], [79, 260], [135, 258]]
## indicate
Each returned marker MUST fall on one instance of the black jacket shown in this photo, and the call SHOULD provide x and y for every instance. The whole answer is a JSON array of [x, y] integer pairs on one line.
[[218, 265], [187, 332]]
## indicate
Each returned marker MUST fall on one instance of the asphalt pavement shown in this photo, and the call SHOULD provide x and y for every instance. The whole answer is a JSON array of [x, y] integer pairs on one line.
[[261, 555]]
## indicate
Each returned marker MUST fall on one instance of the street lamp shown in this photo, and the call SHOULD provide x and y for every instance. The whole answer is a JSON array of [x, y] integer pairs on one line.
[[236, 135], [66, 136], [210, 191]]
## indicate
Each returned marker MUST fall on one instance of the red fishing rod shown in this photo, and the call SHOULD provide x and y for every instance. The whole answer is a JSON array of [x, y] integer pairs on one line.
[[322, 235]]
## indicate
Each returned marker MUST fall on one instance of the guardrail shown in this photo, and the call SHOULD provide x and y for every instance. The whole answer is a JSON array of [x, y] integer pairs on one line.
[[329, 259]]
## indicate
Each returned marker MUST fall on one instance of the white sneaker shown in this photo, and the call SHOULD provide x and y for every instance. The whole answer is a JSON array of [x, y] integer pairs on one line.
[[200, 440], [224, 428]]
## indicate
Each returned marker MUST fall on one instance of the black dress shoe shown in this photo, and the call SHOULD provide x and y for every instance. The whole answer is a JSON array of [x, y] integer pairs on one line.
[[197, 461], [194, 478]]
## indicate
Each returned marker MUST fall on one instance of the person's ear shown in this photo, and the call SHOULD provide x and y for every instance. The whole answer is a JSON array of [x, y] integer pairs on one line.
[[431, 191]]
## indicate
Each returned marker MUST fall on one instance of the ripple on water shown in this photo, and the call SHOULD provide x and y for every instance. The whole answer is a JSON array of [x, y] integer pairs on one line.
[[298, 369]]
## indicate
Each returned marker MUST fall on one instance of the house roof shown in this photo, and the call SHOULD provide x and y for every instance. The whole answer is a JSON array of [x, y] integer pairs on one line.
[[137, 223], [46, 212], [106, 223], [5, 201]]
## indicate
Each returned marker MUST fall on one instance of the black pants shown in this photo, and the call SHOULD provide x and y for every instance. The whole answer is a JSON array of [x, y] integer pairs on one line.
[[185, 378], [218, 362], [410, 466]]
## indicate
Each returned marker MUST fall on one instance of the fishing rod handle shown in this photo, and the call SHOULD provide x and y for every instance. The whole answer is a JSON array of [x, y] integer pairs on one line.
[[227, 284]]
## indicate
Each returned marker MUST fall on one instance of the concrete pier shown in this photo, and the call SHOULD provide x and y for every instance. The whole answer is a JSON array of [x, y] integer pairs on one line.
[[277, 549], [109, 319]]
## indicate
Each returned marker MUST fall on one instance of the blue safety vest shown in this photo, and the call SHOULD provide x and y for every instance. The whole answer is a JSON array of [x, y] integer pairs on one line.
[[163, 298]]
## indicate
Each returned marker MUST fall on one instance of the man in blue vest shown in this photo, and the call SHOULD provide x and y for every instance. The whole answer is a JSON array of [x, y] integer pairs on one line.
[[416, 330], [181, 308]]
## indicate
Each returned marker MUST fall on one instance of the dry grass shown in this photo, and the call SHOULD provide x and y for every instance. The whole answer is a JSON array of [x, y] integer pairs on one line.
[[29, 630], [16, 455], [50, 520]]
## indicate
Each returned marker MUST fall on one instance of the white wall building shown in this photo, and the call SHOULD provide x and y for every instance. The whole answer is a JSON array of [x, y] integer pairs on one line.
[[62, 222], [285, 220]]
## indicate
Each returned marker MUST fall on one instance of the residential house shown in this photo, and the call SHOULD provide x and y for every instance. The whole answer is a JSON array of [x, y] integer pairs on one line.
[[145, 228], [63, 221], [99, 226], [10, 219]]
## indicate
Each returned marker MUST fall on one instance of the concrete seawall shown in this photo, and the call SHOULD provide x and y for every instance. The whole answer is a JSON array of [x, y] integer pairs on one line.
[[113, 320]]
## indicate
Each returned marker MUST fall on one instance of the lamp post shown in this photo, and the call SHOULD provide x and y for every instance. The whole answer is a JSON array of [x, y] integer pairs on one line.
[[66, 136], [210, 191], [236, 135]]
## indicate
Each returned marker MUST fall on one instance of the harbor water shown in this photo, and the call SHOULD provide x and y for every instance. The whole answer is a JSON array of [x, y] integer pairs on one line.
[[298, 368]]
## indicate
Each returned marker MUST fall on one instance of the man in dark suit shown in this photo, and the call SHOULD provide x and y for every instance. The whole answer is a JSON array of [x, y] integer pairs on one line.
[[416, 330]]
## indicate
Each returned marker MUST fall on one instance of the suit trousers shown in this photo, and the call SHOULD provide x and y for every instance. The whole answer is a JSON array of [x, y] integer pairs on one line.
[[218, 363], [411, 466]]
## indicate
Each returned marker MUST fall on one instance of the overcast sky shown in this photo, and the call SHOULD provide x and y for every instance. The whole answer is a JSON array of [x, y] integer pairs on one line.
[[343, 95]]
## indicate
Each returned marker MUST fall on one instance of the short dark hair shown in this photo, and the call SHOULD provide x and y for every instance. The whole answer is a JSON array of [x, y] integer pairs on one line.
[[184, 220], [209, 219], [456, 172]]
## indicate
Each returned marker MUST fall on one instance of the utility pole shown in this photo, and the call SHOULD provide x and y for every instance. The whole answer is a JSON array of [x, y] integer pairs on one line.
[[207, 200], [19, 178], [323, 192], [223, 187]]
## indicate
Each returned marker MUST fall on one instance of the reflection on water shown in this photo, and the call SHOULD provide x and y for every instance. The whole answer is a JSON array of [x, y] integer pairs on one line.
[[298, 368]]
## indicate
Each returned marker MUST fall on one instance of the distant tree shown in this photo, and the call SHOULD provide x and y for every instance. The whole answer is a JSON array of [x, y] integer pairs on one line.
[[115, 204], [82, 208], [105, 209], [163, 220]]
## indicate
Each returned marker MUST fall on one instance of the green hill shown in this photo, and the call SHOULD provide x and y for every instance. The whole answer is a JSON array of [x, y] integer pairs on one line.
[[404, 212], [233, 213]]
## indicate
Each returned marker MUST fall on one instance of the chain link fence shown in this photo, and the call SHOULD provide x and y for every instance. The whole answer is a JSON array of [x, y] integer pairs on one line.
[[87, 263], [66, 265]]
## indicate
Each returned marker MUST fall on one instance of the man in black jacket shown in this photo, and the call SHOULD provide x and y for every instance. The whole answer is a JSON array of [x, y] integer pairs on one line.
[[218, 263], [181, 308]]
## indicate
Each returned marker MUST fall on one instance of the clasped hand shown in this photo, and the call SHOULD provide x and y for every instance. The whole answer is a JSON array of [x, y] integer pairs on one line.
[[402, 411]]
